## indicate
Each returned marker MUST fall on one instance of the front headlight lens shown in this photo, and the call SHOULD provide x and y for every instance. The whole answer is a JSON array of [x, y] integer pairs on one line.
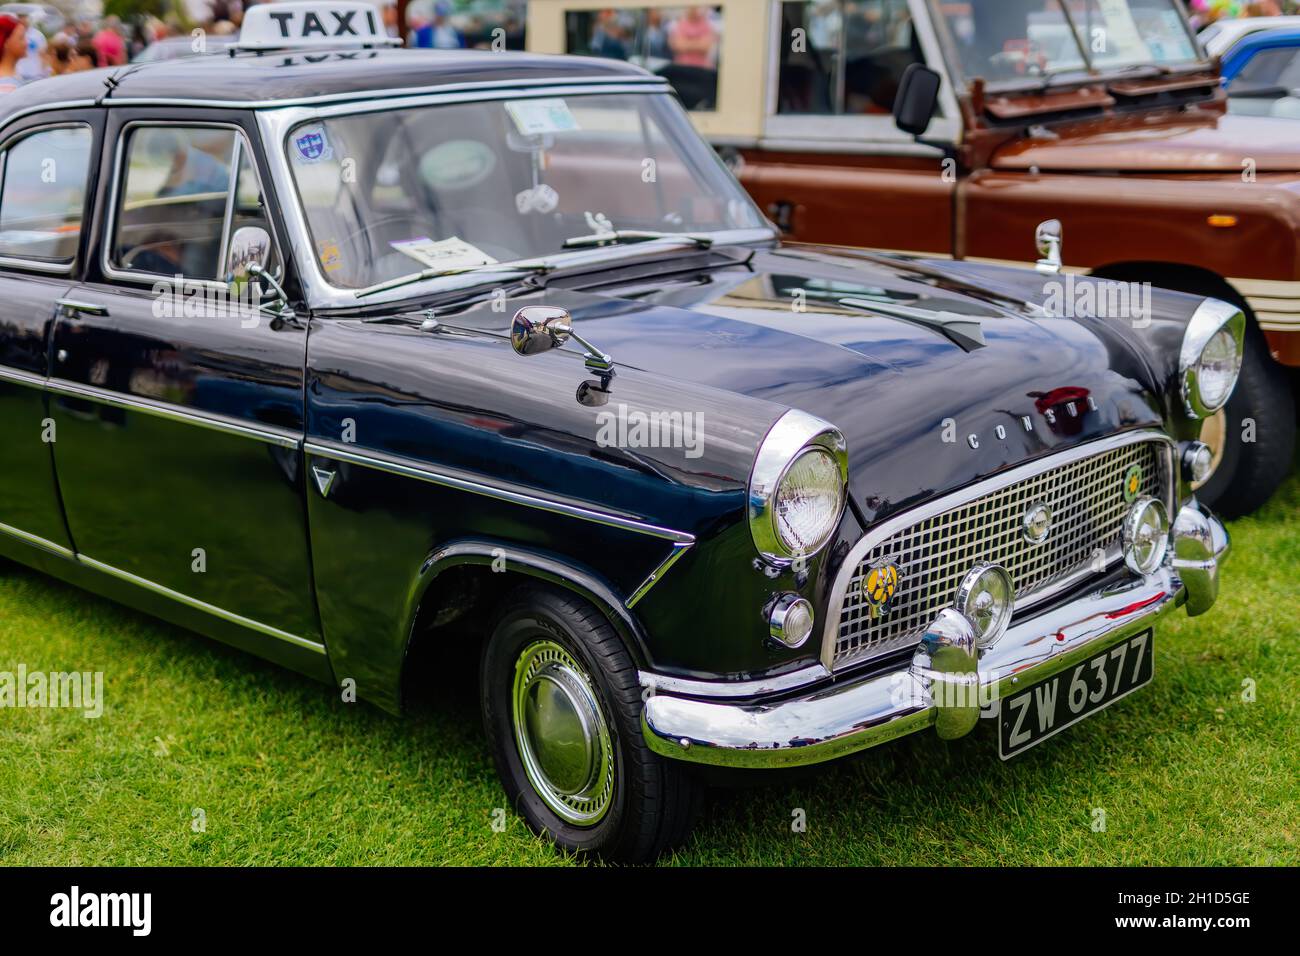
[[1217, 370], [808, 501]]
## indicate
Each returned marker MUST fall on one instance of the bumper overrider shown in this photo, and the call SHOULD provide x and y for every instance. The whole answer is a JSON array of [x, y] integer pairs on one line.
[[949, 680]]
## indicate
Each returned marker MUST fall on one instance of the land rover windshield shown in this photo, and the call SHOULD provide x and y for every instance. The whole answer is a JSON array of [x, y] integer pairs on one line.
[[1010, 41]]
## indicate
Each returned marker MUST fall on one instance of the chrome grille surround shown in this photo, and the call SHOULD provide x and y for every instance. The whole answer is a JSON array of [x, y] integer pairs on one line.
[[936, 544]]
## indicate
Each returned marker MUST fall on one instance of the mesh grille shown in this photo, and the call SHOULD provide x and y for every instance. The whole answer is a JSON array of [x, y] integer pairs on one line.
[[932, 556]]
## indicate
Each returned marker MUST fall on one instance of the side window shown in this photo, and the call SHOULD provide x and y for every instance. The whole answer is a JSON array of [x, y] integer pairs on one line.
[[840, 57], [44, 194], [681, 44], [180, 201]]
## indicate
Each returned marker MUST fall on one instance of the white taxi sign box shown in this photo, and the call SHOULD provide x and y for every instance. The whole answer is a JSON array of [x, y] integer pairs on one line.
[[328, 23]]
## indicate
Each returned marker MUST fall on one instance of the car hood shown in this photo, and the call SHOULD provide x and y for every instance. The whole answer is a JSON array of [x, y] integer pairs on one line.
[[920, 413], [1195, 142]]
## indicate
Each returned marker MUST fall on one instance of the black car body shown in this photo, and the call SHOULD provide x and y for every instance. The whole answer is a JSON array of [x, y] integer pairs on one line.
[[339, 479]]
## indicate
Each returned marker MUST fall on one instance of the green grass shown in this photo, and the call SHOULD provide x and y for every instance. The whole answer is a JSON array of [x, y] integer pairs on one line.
[[1186, 771]]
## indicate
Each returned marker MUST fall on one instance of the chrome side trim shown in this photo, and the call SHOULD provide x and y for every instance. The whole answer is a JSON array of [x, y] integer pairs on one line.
[[905, 519], [36, 541], [204, 606], [19, 377], [364, 95], [673, 556], [422, 472], [282, 438]]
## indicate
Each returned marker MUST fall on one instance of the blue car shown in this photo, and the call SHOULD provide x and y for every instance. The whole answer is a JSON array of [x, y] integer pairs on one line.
[[1262, 74]]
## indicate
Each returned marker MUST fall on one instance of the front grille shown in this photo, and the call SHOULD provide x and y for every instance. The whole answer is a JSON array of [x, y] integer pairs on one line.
[[933, 554]]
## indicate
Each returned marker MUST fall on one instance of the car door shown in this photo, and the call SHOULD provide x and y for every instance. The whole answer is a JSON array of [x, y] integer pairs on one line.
[[834, 167], [179, 408], [45, 178]]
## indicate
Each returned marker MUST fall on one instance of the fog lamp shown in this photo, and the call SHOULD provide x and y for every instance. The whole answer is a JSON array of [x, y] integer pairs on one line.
[[791, 620], [1198, 459], [1146, 535], [986, 598]]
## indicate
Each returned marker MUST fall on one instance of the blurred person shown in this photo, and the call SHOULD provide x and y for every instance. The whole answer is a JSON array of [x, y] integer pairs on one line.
[[693, 38], [439, 33], [13, 49], [656, 36], [110, 44], [607, 37], [34, 65], [64, 56], [389, 14]]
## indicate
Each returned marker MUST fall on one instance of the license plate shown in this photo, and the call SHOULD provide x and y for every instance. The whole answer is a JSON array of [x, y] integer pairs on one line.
[[1032, 715]]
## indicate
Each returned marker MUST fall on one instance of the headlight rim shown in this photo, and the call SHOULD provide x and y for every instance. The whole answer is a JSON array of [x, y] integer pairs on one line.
[[1211, 317], [793, 434]]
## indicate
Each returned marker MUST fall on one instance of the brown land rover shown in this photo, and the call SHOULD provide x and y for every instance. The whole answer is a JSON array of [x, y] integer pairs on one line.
[[1100, 120]]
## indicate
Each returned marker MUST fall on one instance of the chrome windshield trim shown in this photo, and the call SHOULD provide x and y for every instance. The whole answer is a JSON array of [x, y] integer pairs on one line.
[[204, 606], [36, 541], [904, 519], [275, 125], [282, 438], [528, 498]]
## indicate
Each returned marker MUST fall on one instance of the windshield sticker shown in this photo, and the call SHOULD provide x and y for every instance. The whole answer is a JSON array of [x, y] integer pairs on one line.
[[536, 117], [311, 146], [540, 198], [330, 259], [447, 254]]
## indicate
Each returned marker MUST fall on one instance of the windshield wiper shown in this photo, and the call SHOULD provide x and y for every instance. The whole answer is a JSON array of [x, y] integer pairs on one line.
[[433, 272], [624, 236]]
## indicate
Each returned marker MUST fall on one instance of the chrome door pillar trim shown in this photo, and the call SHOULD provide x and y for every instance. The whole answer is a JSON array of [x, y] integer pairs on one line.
[[414, 469], [204, 606]]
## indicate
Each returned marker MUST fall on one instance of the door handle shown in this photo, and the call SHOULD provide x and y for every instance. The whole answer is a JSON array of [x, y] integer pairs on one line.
[[72, 308]]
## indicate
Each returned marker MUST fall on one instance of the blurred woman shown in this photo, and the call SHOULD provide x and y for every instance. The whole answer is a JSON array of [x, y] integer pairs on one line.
[[13, 47]]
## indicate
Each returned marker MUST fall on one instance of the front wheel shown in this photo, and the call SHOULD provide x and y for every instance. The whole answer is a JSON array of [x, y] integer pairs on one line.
[[1252, 437], [562, 709]]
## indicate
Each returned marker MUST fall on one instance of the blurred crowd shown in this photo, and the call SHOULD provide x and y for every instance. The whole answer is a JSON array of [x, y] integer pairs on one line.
[[688, 35]]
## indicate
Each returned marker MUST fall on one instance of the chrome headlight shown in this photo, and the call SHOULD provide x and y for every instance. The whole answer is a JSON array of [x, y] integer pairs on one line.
[[1210, 359], [798, 488]]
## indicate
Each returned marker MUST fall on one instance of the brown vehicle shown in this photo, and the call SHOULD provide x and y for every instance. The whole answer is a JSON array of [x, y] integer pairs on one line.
[[1101, 120]]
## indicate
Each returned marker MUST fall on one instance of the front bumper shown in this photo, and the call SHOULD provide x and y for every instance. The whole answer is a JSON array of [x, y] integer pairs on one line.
[[846, 717]]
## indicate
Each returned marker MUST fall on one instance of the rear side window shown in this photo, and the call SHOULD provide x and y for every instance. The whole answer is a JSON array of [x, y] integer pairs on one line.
[[185, 190], [43, 196]]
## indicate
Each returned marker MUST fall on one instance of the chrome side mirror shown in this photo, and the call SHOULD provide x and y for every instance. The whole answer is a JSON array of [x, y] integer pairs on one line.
[[249, 246], [540, 328], [1048, 238]]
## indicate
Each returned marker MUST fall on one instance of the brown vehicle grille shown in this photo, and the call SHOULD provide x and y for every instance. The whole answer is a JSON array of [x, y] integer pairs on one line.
[[1088, 508]]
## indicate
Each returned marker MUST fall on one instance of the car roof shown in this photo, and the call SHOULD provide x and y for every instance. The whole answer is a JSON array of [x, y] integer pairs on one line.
[[272, 79], [1227, 32]]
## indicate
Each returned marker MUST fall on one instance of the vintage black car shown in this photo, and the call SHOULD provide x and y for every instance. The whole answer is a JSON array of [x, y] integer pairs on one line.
[[339, 354]]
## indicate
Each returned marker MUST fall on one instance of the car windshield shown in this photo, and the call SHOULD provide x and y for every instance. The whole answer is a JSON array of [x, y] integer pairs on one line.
[[1009, 40], [462, 186]]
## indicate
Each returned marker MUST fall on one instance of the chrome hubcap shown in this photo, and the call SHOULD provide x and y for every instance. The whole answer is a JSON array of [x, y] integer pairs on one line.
[[1214, 434], [563, 739]]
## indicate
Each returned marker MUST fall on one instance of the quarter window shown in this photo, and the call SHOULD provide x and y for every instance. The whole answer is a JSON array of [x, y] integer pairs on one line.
[[44, 194], [180, 202], [844, 56]]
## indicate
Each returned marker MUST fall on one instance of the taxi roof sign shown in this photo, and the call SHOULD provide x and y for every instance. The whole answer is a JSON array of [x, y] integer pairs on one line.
[[317, 23]]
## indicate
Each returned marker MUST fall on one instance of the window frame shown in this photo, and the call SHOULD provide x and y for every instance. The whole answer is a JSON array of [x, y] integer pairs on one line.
[[115, 196], [17, 136], [853, 132]]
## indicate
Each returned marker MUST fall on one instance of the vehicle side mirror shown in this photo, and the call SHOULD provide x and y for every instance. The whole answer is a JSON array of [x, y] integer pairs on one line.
[[540, 328], [250, 245], [1049, 237], [917, 99]]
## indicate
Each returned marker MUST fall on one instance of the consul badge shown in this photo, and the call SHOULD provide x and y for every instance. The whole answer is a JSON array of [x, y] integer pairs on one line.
[[878, 588]]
